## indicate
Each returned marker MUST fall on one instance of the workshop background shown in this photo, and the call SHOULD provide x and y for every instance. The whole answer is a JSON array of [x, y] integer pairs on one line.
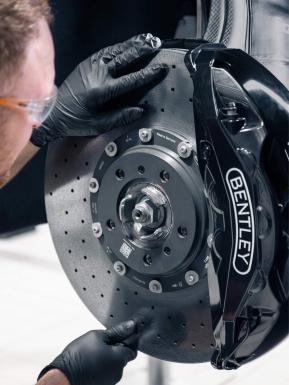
[[40, 311]]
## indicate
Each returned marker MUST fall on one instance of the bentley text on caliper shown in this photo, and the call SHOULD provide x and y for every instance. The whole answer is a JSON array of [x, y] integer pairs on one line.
[[244, 221]]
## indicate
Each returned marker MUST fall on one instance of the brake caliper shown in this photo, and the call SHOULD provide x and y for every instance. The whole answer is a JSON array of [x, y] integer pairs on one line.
[[240, 108]]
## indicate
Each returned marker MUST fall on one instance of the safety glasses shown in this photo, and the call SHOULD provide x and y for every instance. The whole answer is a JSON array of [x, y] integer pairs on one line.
[[39, 109]]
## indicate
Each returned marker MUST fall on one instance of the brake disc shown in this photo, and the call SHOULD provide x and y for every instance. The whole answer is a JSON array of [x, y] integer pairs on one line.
[[128, 218], [140, 215]]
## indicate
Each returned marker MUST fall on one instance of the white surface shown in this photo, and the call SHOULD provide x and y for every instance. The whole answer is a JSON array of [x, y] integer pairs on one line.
[[41, 313]]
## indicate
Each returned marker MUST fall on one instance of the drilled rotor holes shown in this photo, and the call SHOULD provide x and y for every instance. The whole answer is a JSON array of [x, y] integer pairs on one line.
[[126, 303], [84, 257], [165, 176], [82, 221], [111, 316], [55, 176], [86, 163], [66, 212], [75, 270], [173, 89], [108, 272], [191, 100], [202, 325], [84, 200], [120, 174], [72, 190], [117, 289], [194, 346], [162, 110], [84, 288], [174, 66], [93, 276]]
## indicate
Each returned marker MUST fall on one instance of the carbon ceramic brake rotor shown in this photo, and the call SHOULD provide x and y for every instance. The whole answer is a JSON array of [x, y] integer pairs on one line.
[[128, 218]]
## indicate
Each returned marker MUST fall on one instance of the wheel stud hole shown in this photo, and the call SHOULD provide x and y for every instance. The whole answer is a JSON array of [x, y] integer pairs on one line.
[[165, 176], [141, 170], [147, 259], [182, 232], [110, 225], [167, 251], [120, 174]]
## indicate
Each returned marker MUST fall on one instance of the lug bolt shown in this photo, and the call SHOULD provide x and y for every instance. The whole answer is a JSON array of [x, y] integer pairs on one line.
[[145, 135], [155, 286], [111, 149], [97, 229], [120, 268], [192, 277], [93, 185], [185, 149]]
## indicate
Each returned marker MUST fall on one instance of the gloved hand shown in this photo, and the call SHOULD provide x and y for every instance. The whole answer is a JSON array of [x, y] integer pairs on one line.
[[94, 82], [97, 357]]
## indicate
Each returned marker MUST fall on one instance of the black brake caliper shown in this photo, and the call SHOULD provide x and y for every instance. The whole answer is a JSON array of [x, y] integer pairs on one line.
[[240, 107]]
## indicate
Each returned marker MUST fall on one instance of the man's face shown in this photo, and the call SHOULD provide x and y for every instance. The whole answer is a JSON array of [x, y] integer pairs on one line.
[[34, 80]]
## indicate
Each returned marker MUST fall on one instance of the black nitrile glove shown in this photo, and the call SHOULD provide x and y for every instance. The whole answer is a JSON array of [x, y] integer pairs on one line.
[[93, 83], [96, 358]]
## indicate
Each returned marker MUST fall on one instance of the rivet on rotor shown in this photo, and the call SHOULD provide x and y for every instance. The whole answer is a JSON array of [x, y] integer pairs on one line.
[[119, 268], [93, 185], [111, 149], [155, 286], [185, 149], [145, 135], [192, 277], [97, 229]]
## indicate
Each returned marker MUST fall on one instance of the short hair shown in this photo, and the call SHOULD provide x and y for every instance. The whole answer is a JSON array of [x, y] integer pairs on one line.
[[18, 23]]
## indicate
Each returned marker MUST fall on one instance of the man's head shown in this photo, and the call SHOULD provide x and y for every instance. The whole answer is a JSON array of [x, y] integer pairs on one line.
[[26, 71]]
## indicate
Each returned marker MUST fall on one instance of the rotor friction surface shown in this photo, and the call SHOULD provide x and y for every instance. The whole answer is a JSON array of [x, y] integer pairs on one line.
[[179, 322]]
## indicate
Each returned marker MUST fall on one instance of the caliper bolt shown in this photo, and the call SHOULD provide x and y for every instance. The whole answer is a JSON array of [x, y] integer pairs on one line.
[[192, 277], [120, 268], [206, 151], [97, 229], [93, 185], [111, 149], [185, 149], [155, 286], [145, 135]]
